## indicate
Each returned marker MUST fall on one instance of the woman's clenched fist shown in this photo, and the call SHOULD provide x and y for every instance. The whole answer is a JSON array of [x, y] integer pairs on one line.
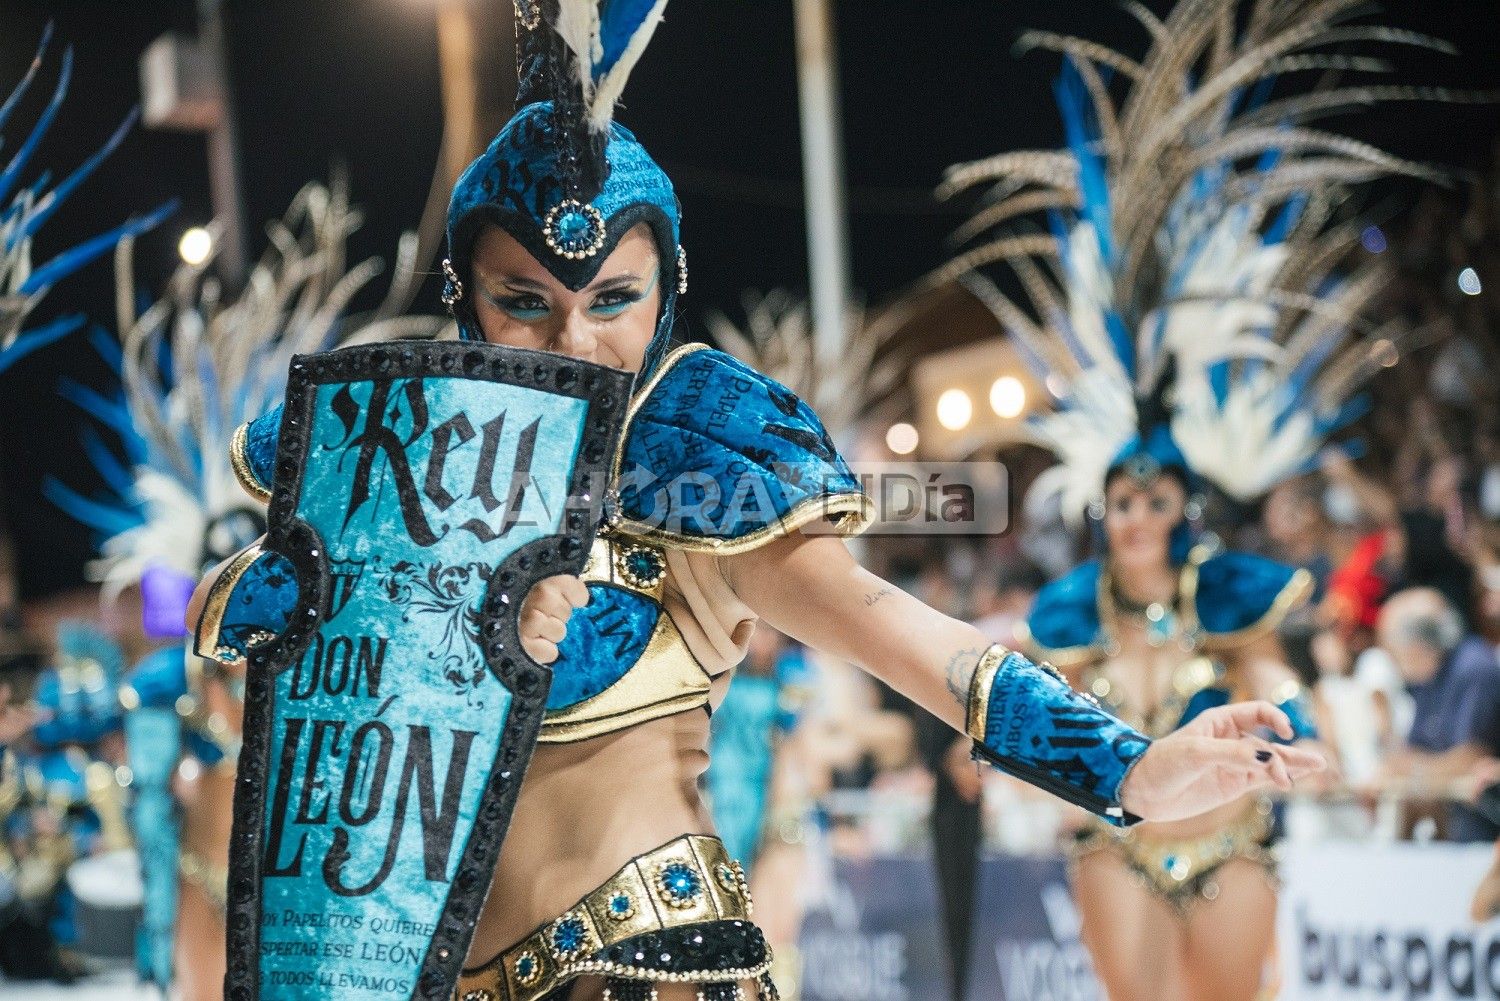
[[545, 612]]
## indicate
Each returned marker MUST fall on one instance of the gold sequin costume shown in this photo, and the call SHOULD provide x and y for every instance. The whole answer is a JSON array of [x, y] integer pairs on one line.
[[677, 914], [1179, 871]]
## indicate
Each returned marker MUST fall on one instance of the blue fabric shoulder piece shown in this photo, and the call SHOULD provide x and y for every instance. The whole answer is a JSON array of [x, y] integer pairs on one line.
[[254, 453], [718, 457], [1241, 597], [1064, 620]]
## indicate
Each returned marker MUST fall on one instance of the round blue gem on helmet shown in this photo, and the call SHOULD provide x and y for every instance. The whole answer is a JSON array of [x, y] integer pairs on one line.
[[568, 936], [681, 881], [574, 229]]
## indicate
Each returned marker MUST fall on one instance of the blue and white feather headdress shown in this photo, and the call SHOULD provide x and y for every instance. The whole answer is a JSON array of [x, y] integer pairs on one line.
[[196, 365], [1195, 231], [25, 208], [563, 178]]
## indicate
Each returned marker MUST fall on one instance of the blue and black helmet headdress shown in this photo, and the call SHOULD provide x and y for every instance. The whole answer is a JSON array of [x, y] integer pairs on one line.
[[562, 177]]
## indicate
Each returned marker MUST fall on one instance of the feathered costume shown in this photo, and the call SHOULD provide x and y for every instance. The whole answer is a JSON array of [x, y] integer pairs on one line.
[[1196, 309], [195, 366], [1195, 245], [715, 459], [77, 692]]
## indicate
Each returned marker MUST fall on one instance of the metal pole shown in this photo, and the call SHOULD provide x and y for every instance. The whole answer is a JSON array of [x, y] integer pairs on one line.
[[823, 176], [475, 51], [223, 154]]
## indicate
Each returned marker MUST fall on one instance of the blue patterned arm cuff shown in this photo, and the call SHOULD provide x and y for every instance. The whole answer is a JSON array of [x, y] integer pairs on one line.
[[1027, 721], [252, 601], [1291, 698]]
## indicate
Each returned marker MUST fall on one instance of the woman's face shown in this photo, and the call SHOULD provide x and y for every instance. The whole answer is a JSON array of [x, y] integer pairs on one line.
[[1138, 521], [610, 321]]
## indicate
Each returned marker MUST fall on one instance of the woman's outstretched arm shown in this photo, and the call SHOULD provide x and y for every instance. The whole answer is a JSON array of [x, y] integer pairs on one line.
[[811, 588]]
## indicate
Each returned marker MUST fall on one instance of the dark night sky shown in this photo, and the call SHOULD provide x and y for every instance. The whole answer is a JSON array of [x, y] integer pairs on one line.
[[355, 81]]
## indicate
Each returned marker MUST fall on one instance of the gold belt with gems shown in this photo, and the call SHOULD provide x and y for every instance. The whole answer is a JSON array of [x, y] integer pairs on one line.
[[686, 881], [1180, 870]]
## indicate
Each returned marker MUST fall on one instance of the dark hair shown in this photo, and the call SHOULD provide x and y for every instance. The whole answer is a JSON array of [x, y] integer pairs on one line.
[[1297, 633], [1019, 574]]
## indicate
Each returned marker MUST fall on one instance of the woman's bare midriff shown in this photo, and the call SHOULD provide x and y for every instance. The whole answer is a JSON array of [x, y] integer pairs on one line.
[[585, 809]]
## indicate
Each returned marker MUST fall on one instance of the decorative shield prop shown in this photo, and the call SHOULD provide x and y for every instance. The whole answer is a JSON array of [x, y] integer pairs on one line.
[[421, 489]]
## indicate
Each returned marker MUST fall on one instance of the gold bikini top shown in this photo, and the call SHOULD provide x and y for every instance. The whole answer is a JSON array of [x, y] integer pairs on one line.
[[654, 674]]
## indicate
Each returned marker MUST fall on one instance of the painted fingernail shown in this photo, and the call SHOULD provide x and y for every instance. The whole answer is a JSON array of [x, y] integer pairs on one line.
[[1263, 756]]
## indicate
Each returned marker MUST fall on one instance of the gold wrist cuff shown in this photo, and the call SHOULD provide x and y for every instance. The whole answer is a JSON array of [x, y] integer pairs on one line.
[[979, 690]]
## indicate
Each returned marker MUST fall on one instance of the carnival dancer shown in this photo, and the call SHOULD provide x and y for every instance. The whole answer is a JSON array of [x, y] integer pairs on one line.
[[59, 798], [1196, 320], [193, 368], [610, 883]]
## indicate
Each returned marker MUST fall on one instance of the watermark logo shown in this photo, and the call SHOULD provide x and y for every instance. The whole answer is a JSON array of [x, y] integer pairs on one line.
[[936, 498], [903, 498]]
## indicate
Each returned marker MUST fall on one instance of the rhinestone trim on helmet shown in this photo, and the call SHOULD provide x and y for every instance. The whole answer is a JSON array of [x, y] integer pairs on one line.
[[528, 14], [682, 271], [577, 246], [1143, 469]]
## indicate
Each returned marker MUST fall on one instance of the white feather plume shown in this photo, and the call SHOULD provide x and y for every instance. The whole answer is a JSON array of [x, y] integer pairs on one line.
[[579, 26], [1201, 225], [196, 367], [612, 84]]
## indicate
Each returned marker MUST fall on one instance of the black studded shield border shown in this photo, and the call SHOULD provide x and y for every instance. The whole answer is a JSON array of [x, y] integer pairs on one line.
[[606, 393]]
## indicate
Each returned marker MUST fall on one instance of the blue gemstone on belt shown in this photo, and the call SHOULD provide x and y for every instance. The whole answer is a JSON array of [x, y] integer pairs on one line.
[[525, 966], [619, 905], [680, 881], [568, 936]]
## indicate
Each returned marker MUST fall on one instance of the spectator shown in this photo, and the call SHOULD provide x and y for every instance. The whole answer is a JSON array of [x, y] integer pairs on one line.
[[1000, 610], [1297, 528], [1454, 679], [20, 663]]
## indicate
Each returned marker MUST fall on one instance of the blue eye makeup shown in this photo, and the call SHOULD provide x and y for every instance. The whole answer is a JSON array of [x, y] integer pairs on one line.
[[616, 302], [528, 307], [613, 302], [522, 307]]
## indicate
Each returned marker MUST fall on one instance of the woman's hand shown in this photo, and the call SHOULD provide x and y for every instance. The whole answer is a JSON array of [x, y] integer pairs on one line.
[[1215, 759], [544, 615]]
